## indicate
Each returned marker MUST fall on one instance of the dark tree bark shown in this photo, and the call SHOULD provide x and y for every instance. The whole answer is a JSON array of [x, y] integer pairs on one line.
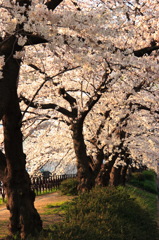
[[115, 176], [84, 171], [124, 170], [24, 219], [103, 176], [147, 50], [123, 175]]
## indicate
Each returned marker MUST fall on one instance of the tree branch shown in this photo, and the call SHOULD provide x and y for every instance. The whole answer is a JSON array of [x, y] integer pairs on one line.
[[47, 78], [101, 126], [146, 50], [26, 3], [143, 107], [33, 39], [46, 106], [71, 100], [98, 93], [52, 4]]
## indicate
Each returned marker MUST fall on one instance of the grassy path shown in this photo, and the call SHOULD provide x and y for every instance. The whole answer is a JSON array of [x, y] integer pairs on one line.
[[40, 204]]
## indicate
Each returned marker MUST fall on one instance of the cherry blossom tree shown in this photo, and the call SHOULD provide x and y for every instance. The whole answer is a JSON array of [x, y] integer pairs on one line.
[[109, 145], [76, 118], [24, 218], [59, 36], [126, 135], [131, 54]]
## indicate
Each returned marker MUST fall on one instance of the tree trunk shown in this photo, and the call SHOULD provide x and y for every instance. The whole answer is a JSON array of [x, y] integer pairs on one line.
[[103, 177], [104, 174], [84, 171], [24, 219], [123, 175], [115, 176], [124, 170]]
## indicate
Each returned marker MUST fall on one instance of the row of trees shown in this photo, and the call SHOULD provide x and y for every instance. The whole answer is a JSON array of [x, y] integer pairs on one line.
[[70, 68], [100, 139]]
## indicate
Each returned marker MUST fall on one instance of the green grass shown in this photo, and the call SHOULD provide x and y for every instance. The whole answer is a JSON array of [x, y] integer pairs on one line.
[[57, 208], [145, 180], [121, 213], [69, 187], [143, 188], [109, 214], [146, 200], [1, 201], [45, 192], [105, 214]]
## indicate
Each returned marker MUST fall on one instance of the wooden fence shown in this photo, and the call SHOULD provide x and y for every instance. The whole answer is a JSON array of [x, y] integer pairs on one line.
[[2, 191], [43, 184]]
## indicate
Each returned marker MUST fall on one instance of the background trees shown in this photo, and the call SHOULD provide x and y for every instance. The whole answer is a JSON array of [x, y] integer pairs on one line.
[[124, 54]]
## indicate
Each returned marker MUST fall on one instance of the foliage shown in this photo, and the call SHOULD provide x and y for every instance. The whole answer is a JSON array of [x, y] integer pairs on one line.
[[59, 208], [106, 214], [69, 186], [1, 201], [145, 180], [83, 70], [146, 200], [149, 175], [86, 39]]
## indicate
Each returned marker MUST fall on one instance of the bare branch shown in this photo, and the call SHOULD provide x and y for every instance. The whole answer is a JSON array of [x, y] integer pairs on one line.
[[52, 4], [46, 106], [24, 2], [103, 87], [144, 107], [147, 50], [43, 83]]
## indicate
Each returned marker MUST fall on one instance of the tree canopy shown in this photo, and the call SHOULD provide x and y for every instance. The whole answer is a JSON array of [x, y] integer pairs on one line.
[[88, 69]]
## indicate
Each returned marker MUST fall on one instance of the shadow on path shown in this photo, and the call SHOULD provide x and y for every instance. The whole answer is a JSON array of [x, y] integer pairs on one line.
[[40, 204]]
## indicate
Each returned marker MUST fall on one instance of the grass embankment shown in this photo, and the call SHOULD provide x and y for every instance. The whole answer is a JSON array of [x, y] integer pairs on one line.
[[107, 214], [1, 201]]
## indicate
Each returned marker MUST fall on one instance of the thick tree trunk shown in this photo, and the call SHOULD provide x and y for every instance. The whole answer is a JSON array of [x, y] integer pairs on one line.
[[24, 219], [98, 164], [103, 176], [115, 176], [84, 171], [124, 170], [123, 175]]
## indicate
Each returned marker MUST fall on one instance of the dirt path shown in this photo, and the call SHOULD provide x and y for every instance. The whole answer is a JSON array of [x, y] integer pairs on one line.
[[40, 205]]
